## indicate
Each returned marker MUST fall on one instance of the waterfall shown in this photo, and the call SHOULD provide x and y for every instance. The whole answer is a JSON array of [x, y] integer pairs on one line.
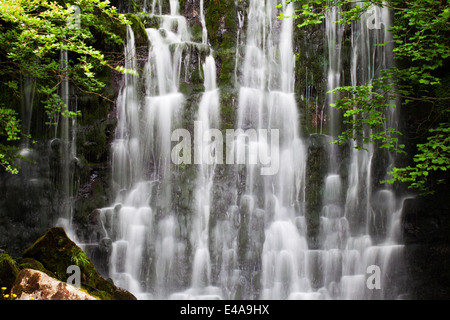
[[142, 163], [334, 35], [360, 233], [258, 247], [28, 95], [271, 205], [208, 118], [65, 138], [208, 115], [148, 251]]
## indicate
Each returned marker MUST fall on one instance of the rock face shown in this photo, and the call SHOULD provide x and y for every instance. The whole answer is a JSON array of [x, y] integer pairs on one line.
[[33, 284], [316, 170], [427, 246], [8, 271], [56, 252]]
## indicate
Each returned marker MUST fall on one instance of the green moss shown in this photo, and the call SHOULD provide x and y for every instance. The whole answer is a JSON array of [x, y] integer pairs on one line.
[[140, 34], [197, 76], [56, 252], [221, 21], [151, 21], [182, 6], [227, 70], [186, 89], [316, 171], [197, 33], [8, 271], [30, 263], [227, 110], [93, 140]]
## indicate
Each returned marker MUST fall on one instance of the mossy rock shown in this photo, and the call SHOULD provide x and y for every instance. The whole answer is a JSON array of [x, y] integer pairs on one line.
[[316, 172], [140, 34], [8, 272], [56, 252], [30, 263], [221, 21]]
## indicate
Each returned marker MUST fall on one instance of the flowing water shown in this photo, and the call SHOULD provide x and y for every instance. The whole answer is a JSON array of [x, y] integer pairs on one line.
[[65, 143], [361, 233], [272, 204], [259, 248]]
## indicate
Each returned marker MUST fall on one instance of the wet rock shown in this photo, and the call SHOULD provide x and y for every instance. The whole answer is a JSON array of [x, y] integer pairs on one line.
[[427, 246], [30, 263], [316, 172], [57, 252], [8, 271]]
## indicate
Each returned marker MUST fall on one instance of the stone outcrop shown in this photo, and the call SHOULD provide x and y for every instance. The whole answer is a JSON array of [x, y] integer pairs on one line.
[[426, 222], [32, 284], [56, 252], [8, 273]]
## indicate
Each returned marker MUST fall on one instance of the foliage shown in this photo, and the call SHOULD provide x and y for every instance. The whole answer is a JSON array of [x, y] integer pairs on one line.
[[364, 110], [421, 34], [313, 12], [433, 156], [33, 36], [80, 259], [9, 128]]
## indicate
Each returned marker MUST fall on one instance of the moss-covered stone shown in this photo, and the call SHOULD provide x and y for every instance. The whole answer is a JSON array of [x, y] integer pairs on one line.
[[8, 273], [140, 34], [30, 263], [311, 78], [220, 20], [56, 252], [221, 23], [151, 21], [316, 171], [93, 140]]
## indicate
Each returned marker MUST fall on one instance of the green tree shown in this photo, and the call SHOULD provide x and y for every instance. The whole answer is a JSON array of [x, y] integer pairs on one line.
[[33, 33], [421, 34]]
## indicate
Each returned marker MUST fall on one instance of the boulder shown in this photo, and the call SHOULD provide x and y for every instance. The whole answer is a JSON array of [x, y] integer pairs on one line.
[[30, 263], [33, 284], [56, 252]]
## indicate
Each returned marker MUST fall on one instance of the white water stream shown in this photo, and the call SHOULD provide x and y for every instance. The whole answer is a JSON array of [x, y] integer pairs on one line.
[[260, 249]]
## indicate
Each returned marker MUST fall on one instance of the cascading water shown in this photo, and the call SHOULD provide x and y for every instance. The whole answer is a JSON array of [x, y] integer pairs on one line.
[[334, 34], [28, 95], [271, 205], [148, 253], [67, 143], [141, 164], [208, 119], [360, 234], [259, 248]]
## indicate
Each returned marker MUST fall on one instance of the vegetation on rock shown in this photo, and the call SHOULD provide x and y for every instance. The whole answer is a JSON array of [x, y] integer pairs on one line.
[[57, 252], [421, 34], [8, 273], [33, 36]]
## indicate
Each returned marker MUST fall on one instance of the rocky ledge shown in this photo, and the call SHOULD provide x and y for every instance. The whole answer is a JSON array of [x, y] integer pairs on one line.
[[42, 274]]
